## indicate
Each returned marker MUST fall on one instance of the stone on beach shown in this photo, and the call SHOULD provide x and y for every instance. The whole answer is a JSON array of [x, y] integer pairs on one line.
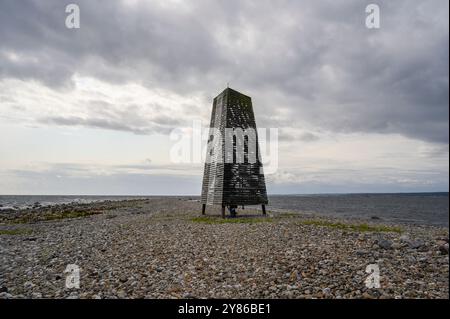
[[160, 248]]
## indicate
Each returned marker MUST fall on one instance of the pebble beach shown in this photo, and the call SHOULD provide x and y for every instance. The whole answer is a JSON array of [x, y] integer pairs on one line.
[[163, 247]]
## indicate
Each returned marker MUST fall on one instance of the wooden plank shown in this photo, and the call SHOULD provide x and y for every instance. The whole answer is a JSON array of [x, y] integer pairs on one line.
[[233, 184]]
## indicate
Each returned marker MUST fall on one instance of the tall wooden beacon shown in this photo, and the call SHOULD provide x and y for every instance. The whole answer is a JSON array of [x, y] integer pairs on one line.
[[233, 174]]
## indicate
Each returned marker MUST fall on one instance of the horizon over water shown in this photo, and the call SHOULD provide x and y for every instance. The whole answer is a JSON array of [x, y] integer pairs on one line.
[[426, 208]]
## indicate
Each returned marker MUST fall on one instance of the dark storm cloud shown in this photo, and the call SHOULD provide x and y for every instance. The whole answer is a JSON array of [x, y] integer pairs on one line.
[[304, 62]]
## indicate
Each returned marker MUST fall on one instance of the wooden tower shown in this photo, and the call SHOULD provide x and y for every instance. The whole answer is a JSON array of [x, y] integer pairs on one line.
[[233, 174]]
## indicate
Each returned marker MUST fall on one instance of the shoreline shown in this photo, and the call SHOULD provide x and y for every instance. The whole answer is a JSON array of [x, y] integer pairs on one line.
[[162, 247], [396, 208]]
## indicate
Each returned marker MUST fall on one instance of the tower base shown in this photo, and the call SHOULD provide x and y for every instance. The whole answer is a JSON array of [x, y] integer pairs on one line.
[[233, 215]]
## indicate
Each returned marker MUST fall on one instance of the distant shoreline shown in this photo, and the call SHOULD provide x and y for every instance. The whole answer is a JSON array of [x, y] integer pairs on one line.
[[271, 194], [409, 208]]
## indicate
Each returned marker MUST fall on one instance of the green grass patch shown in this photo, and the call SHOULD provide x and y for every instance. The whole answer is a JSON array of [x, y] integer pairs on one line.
[[49, 216], [72, 214], [288, 215], [236, 220], [15, 231], [353, 227]]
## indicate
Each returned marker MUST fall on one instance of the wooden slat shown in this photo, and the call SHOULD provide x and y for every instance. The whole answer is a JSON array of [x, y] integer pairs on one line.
[[226, 182]]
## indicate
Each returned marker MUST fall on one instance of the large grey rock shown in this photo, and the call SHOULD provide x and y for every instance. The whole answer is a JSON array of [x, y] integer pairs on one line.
[[384, 243], [443, 249], [416, 244]]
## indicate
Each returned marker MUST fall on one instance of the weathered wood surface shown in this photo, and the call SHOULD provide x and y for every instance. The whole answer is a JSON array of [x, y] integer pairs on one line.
[[227, 181]]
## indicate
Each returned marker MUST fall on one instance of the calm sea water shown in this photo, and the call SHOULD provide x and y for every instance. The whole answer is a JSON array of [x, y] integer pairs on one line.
[[414, 208]]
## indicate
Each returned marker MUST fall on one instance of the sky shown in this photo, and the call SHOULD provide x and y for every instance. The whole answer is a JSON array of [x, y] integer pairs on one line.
[[92, 110]]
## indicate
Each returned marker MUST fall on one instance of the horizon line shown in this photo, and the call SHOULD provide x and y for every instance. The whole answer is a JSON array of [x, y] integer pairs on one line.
[[199, 195]]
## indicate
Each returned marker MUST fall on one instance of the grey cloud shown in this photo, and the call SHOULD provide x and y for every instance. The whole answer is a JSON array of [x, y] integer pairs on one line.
[[108, 124], [138, 119], [314, 60], [93, 170], [304, 137], [436, 151], [309, 137]]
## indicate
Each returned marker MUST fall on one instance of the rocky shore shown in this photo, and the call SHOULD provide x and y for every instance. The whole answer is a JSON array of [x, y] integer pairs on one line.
[[163, 248]]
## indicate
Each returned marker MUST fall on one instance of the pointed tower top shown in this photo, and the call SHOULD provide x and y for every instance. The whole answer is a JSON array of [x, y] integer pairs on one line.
[[229, 90]]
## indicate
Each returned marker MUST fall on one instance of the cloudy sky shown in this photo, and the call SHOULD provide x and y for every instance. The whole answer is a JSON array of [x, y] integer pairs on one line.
[[90, 110]]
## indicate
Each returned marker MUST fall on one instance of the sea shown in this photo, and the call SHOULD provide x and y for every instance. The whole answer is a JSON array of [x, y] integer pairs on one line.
[[410, 208]]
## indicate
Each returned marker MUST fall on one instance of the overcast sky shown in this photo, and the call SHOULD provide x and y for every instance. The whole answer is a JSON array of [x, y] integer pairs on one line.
[[89, 110]]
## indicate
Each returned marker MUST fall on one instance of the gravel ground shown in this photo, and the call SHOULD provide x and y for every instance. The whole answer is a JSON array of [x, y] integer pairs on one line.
[[159, 248]]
